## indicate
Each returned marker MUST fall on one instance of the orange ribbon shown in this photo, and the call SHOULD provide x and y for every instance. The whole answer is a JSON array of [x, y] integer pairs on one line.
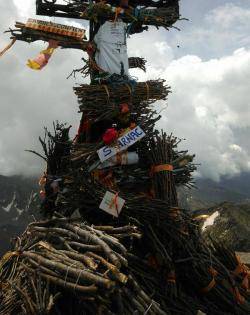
[[212, 283], [161, 168], [242, 269], [171, 277], [118, 10], [152, 261]]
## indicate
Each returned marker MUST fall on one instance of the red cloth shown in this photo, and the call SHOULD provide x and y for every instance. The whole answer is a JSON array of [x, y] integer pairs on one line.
[[110, 136]]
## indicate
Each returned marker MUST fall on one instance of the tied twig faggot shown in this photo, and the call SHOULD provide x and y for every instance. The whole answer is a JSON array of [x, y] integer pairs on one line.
[[161, 157], [90, 97]]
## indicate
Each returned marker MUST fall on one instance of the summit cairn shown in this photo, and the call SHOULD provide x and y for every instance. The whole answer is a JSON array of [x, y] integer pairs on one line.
[[113, 239]]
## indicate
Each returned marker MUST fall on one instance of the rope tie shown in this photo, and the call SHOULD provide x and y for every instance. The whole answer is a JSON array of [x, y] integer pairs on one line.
[[115, 203], [149, 308], [78, 278], [66, 276], [212, 283], [171, 277], [241, 269], [118, 10]]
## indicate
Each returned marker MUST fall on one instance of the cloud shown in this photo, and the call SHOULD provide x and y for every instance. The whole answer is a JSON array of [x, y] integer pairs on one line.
[[221, 30], [209, 101], [31, 100]]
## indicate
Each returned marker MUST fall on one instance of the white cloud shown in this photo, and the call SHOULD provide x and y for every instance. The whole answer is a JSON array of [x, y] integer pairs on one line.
[[229, 15], [208, 102], [23, 7], [218, 32]]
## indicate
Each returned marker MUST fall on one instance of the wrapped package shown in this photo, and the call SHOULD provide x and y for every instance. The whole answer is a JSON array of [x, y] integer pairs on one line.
[[124, 158]]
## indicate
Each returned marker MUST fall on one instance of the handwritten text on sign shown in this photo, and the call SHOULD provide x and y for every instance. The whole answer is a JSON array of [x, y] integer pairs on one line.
[[123, 143]]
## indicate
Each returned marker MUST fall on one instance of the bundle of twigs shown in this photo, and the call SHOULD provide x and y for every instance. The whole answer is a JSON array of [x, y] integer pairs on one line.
[[90, 65], [210, 279], [22, 292], [161, 158], [231, 260], [137, 62], [83, 260], [94, 97], [56, 147], [162, 16], [29, 35]]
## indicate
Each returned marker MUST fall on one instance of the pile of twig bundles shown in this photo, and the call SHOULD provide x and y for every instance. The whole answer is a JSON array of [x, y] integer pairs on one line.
[[94, 97], [84, 260], [175, 234], [29, 35]]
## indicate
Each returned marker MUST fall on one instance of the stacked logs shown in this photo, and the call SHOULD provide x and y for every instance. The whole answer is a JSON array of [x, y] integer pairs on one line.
[[78, 260]]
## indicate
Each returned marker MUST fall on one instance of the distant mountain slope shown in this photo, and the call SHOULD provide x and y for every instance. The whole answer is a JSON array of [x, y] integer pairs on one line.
[[231, 225], [210, 193], [18, 203]]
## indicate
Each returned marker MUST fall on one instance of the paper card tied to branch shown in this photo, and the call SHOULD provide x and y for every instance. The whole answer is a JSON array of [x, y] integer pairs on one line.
[[112, 204], [123, 143]]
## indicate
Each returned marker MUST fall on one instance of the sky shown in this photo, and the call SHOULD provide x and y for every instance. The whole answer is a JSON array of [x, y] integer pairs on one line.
[[206, 63]]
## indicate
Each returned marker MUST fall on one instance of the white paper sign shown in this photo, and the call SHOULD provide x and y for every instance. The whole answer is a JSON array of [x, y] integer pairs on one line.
[[112, 204], [124, 142]]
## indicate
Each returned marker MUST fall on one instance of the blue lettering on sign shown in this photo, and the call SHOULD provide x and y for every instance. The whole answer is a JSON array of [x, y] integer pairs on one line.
[[107, 151], [130, 137], [137, 132], [124, 142], [133, 134], [119, 143]]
